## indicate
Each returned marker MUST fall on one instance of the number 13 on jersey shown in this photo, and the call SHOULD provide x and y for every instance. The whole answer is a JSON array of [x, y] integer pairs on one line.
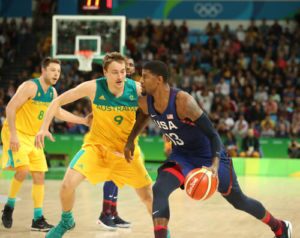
[[174, 138]]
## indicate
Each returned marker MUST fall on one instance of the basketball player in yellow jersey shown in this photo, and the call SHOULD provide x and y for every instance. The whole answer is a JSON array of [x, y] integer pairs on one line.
[[114, 104], [25, 113], [109, 217]]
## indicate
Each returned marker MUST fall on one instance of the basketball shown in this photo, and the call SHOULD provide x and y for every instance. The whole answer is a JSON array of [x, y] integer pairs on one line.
[[200, 184]]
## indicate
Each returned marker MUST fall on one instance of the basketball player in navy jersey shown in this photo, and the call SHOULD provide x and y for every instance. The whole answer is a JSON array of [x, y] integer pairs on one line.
[[109, 218], [195, 144]]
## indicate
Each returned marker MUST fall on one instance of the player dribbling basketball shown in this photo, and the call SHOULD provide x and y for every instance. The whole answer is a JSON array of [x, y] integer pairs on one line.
[[195, 144]]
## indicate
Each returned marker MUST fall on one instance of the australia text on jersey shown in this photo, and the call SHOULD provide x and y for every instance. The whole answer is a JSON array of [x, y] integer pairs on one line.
[[116, 108]]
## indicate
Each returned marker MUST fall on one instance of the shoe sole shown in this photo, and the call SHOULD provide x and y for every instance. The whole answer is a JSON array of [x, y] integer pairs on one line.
[[105, 227], [123, 225], [40, 230], [289, 228], [6, 227]]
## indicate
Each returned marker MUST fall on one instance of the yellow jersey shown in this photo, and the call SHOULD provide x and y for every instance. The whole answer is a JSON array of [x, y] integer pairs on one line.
[[113, 118], [30, 115]]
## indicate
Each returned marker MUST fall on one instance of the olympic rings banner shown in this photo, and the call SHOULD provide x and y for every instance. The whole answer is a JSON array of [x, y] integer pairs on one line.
[[193, 10]]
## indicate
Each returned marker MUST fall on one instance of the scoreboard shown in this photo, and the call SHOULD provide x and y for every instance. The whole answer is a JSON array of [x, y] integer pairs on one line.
[[90, 7]]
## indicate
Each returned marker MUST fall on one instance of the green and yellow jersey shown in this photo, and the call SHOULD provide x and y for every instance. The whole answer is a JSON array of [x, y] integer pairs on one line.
[[113, 118], [30, 115]]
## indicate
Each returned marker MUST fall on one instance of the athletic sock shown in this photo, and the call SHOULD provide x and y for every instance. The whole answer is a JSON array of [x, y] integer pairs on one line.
[[160, 231], [15, 186], [67, 218], [38, 191], [275, 224]]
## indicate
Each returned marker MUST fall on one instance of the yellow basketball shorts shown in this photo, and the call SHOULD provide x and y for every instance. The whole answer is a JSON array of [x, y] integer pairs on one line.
[[27, 155], [98, 165]]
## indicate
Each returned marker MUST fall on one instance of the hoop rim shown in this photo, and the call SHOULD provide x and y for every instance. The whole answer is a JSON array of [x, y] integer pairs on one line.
[[85, 53]]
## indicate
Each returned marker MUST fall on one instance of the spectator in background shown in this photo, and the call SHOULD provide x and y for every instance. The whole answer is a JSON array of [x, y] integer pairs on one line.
[[294, 149], [223, 87], [268, 127], [274, 95], [250, 145], [205, 99], [231, 144], [282, 127], [296, 122], [271, 108], [240, 127], [256, 114], [261, 95]]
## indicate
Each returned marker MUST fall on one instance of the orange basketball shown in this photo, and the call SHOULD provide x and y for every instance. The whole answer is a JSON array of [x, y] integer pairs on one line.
[[200, 184]]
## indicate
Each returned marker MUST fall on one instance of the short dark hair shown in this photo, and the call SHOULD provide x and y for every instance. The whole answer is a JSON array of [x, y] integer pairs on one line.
[[159, 68], [49, 60], [111, 57]]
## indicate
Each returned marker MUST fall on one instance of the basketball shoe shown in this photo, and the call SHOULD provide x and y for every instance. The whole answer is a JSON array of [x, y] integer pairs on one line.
[[59, 230], [287, 230], [107, 222], [40, 225], [119, 222], [7, 216]]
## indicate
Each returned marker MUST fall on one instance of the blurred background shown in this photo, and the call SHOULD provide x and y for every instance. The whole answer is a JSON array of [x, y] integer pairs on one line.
[[238, 59]]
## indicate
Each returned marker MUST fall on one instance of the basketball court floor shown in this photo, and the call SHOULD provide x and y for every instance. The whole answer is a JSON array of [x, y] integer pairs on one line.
[[213, 218]]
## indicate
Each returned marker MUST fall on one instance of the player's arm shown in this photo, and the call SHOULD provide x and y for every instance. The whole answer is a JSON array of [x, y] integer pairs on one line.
[[25, 91], [138, 88], [83, 90], [64, 115], [142, 119], [187, 108]]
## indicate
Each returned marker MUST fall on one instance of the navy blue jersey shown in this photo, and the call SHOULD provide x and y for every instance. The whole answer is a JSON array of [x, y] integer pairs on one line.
[[185, 136]]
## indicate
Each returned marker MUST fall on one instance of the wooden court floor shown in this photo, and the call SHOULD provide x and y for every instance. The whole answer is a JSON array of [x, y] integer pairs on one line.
[[214, 218]]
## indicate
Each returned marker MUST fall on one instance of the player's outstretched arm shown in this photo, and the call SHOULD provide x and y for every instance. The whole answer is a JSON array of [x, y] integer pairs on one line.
[[64, 115], [187, 107], [25, 91], [86, 89], [142, 120]]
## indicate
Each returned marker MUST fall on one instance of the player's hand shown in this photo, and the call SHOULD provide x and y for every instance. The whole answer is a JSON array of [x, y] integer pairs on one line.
[[165, 138], [88, 120], [129, 151], [214, 167], [40, 138], [14, 144]]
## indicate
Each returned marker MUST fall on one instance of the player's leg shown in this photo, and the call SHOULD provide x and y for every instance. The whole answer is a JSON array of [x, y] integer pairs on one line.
[[169, 178], [38, 167], [109, 217], [15, 185], [145, 194], [86, 164], [110, 193], [232, 192], [118, 221], [39, 222], [18, 161], [67, 197]]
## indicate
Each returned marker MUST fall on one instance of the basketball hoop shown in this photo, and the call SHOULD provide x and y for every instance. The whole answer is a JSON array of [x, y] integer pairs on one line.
[[85, 58]]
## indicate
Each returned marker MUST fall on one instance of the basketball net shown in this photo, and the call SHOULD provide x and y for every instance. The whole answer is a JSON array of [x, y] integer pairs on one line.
[[85, 59]]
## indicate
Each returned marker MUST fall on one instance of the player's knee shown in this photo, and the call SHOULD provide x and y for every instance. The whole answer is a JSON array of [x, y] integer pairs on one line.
[[21, 173], [38, 177], [67, 185], [158, 191]]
